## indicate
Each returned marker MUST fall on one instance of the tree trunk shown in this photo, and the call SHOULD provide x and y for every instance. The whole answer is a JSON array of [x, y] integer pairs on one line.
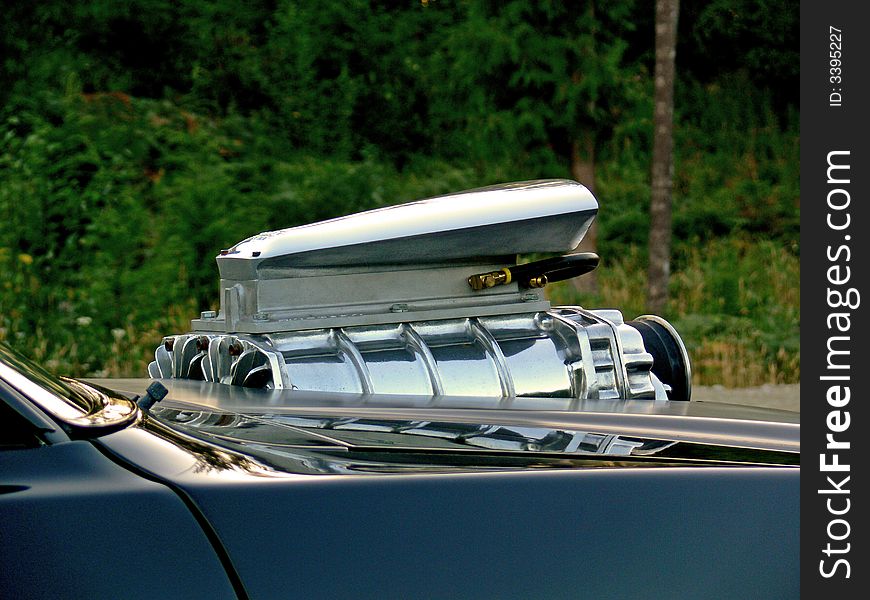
[[662, 159], [583, 170]]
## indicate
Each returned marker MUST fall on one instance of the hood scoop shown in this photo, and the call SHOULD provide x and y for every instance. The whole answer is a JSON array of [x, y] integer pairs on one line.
[[427, 298]]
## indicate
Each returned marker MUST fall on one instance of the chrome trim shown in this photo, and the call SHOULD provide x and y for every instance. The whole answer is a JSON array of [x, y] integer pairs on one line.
[[108, 411], [490, 345], [114, 412], [58, 407], [416, 343]]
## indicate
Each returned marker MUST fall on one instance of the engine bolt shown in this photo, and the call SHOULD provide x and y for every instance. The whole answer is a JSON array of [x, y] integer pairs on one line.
[[169, 343], [261, 316], [202, 343], [235, 349]]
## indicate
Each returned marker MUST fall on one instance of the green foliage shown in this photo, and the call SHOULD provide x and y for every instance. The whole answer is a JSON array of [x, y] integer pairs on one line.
[[761, 37], [533, 76], [137, 139]]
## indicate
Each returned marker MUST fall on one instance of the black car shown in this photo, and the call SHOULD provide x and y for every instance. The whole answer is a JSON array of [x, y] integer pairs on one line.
[[222, 492], [387, 406]]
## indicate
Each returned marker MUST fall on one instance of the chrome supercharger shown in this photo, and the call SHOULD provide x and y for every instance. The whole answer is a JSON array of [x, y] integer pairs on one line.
[[427, 298]]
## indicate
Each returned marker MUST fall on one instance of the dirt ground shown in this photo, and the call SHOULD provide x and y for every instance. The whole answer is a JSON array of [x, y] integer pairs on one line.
[[783, 397]]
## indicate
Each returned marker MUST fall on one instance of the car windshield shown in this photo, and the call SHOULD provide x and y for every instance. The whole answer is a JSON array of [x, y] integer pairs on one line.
[[66, 398]]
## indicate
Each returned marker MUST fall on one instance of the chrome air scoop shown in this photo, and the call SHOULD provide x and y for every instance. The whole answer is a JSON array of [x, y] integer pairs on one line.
[[426, 298]]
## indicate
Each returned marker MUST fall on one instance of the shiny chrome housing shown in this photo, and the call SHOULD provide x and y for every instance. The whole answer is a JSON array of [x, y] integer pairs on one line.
[[533, 216], [402, 263], [380, 303], [566, 352]]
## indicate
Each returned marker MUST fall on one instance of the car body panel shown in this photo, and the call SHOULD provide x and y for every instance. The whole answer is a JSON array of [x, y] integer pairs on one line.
[[557, 526], [676, 532], [210, 493], [74, 524]]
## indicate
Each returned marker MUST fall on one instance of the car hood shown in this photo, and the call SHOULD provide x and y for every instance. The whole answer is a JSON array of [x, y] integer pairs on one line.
[[288, 431], [307, 508], [316, 495]]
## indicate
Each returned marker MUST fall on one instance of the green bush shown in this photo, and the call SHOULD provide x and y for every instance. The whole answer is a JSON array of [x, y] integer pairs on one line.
[[138, 139]]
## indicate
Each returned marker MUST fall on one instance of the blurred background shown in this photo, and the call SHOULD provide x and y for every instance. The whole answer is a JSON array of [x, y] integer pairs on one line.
[[138, 138]]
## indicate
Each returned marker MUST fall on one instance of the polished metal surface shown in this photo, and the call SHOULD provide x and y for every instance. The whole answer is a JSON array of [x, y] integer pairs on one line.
[[385, 302], [415, 258], [303, 431], [71, 402], [567, 352], [691, 422], [380, 295], [490, 221]]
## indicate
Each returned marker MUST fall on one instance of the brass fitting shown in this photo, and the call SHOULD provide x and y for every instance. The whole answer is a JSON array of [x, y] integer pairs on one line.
[[491, 279], [537, 282]]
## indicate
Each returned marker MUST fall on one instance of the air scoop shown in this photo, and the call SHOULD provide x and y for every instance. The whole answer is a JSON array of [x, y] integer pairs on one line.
[[496, 221], [422, 298], [412, 258]]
